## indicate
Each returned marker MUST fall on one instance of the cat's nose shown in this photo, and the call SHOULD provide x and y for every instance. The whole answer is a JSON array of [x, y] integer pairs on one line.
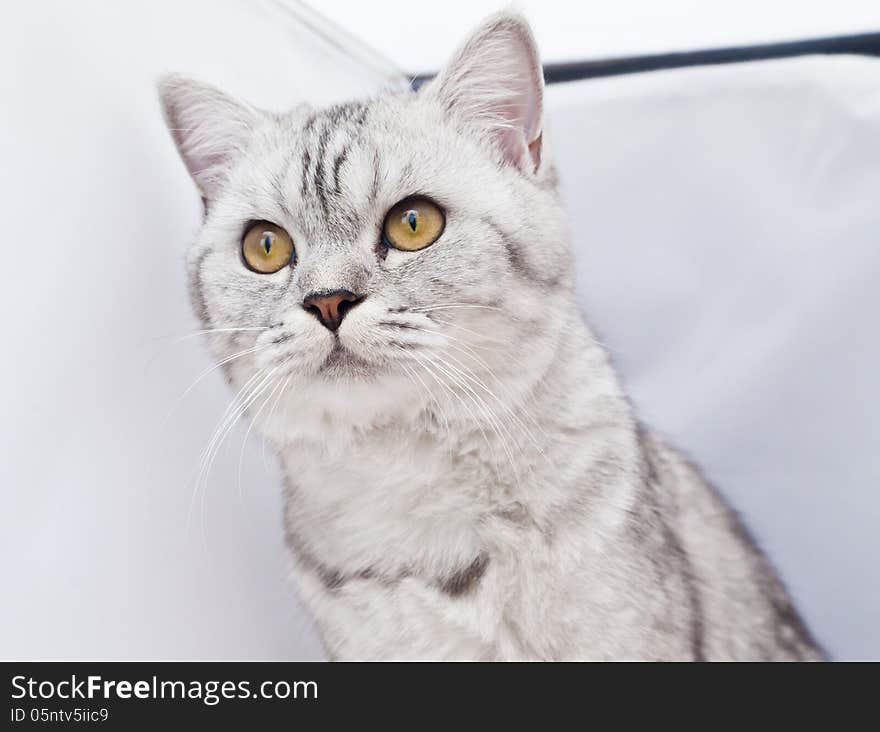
[[331, 307]]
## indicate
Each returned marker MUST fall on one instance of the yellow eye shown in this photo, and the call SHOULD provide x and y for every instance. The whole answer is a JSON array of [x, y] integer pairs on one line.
[[266, 248], [413, 224]]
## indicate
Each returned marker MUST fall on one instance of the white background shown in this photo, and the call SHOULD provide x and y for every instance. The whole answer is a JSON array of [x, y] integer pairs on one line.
[[726, 231]]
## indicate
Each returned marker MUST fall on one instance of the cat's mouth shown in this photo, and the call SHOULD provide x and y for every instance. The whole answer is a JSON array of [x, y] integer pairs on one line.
[[343, 362]]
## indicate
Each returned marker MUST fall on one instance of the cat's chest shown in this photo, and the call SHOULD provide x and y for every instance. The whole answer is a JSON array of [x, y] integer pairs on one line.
[[396, 503]]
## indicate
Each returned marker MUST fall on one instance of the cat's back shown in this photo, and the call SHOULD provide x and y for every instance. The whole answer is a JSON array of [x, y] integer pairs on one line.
[[742, 608]]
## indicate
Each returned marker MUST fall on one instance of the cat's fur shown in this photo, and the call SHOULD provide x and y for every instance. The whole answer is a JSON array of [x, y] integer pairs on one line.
[[464, 476]]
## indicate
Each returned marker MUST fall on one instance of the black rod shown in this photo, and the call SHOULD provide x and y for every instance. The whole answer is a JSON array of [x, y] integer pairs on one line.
[[864, 44]]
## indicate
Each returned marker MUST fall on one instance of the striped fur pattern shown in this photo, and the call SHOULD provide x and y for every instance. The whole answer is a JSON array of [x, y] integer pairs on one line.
[[464, 477]]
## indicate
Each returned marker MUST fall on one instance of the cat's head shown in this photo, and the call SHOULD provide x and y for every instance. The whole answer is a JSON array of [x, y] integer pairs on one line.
[[400, 253]]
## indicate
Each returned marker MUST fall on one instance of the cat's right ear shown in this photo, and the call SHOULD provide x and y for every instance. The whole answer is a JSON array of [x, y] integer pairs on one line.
[[210, 129], [495, 82]]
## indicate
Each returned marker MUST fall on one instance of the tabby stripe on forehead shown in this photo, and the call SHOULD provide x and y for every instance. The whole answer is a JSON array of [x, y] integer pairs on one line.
[[307, 161], [359, 115], [320, 185], [374, 192], [354, 113], [337, 114], [307, 155], [310, 122]]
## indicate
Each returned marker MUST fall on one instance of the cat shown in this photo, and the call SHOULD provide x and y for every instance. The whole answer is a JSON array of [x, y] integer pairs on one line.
[[464, 477]]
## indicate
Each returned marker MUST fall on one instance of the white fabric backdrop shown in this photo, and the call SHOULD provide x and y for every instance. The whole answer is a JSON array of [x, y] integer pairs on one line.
[[728, 246], [726, 228]]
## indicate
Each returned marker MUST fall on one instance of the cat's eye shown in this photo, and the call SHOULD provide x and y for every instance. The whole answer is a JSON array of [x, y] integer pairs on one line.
[[266, 248], [413, 224]]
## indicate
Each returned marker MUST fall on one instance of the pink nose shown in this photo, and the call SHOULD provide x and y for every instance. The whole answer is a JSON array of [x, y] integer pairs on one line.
[[331, 307]]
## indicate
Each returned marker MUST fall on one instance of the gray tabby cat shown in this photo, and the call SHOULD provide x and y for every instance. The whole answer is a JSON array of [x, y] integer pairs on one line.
[[391, 288]]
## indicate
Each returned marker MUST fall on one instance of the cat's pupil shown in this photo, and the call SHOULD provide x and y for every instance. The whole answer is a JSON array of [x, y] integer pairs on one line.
[[267, 242], [412, 219]]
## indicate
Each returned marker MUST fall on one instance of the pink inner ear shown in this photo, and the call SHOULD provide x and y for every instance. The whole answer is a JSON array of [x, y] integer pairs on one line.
[[535, 149], [209, 128], [525, 156], [519, 140]]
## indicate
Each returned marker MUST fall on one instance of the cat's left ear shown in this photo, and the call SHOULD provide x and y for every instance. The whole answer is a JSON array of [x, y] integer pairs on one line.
[[495, 80], [210, 128]]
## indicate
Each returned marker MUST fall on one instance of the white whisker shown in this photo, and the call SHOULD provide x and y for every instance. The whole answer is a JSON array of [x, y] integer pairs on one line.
[[491, 417], [223, 434], [247, 433], [272, 409], [456, 306], [427, 389], [210, 370], [432, 361], [208, 331], [229, 417]]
